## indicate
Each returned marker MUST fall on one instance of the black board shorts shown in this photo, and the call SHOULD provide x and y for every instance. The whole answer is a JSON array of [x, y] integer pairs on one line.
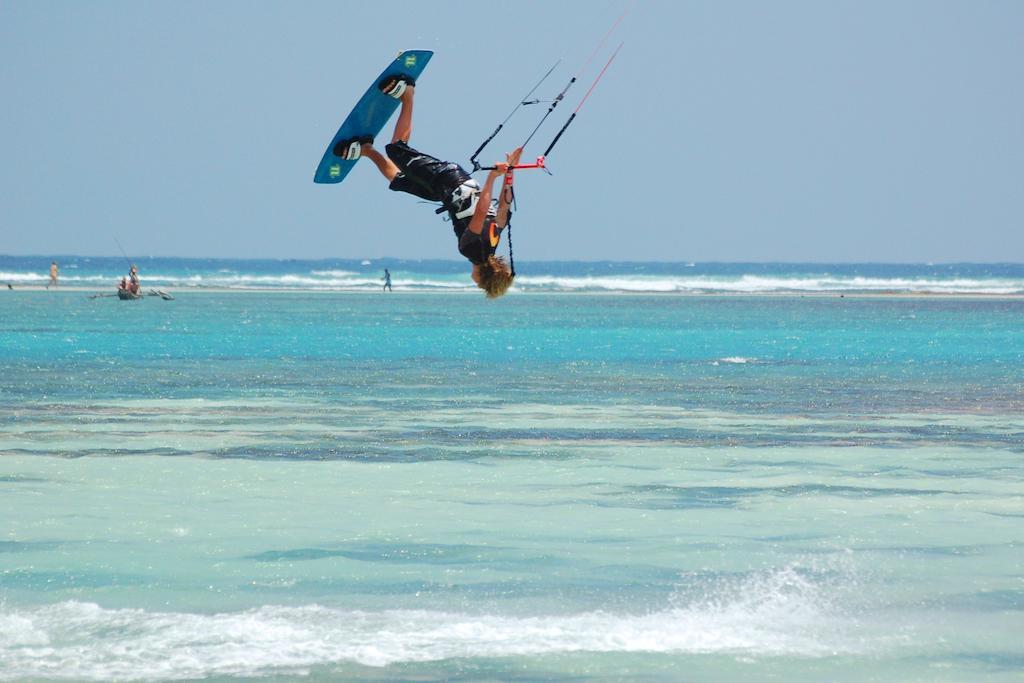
[[422, 175]]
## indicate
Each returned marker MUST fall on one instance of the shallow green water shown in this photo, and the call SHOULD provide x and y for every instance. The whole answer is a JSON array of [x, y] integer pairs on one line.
[[569, 488]]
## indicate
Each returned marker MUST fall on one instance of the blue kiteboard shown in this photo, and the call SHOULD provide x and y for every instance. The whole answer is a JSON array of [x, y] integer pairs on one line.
[[370, 114]]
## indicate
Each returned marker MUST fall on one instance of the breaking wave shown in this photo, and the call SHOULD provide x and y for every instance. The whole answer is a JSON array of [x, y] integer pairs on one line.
[[787, 612]]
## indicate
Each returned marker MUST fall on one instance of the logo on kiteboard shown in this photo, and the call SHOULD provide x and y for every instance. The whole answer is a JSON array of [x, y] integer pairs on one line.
[[410, 61], [334, 171]]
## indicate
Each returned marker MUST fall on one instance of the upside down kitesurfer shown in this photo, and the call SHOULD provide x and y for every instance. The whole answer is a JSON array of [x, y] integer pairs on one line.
[[477, 220]]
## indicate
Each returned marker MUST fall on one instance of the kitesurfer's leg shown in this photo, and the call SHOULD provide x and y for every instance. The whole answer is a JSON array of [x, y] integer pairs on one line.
[[419, 174], [403, 127], [383, 164]]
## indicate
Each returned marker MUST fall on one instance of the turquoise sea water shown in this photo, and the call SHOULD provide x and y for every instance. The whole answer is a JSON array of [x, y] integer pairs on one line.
[[551, 486]]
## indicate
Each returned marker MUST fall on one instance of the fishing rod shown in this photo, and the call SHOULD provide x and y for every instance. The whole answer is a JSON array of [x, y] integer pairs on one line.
[[525, 100], [123, 253], [131, 266], [541, 160]]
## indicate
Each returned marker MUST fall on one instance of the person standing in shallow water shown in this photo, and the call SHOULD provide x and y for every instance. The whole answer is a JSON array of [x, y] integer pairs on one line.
[[387, 280], [133, 279], [477, 221], [54, 271]]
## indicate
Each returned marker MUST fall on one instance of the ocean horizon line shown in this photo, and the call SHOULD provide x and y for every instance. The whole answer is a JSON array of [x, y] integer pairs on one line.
[[459, 261], [536, 276]]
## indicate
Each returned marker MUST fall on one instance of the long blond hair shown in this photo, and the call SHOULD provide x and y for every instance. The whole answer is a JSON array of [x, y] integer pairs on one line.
[[495, 276]]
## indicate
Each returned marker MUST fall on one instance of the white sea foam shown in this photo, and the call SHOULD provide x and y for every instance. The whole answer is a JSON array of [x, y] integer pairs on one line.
[[346, 280], [43, 278], [22, 277], [780, 613], [757, 284]]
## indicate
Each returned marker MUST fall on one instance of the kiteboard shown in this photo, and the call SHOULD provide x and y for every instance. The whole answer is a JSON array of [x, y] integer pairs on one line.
[[370, 114]]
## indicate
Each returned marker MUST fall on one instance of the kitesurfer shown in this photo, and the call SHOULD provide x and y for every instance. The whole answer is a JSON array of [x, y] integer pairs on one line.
[[477, 220]]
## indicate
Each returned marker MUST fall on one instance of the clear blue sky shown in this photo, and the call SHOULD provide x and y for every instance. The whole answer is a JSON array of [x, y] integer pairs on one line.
[[726, 130]]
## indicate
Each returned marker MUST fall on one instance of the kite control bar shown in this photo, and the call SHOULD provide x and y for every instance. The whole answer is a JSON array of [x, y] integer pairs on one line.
[[537, 164]]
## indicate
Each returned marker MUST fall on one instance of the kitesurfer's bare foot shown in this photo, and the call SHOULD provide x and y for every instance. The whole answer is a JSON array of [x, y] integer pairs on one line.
[[397, 85], [410, 91]]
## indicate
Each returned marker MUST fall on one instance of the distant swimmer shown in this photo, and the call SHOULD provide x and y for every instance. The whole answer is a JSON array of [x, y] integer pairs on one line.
[[53, 275], [477, 221], [387, 280]]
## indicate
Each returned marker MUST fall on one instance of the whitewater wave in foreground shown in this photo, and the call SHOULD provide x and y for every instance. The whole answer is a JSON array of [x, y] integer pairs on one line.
[[784, 613]]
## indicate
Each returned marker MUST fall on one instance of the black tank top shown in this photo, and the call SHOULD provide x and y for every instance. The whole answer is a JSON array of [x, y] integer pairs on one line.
[[478, 248]]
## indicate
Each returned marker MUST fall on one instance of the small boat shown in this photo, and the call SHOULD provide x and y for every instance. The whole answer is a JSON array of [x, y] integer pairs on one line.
[[126, 294]]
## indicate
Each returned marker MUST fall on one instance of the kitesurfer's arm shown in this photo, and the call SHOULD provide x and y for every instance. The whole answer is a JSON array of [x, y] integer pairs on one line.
[[476, 224]]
